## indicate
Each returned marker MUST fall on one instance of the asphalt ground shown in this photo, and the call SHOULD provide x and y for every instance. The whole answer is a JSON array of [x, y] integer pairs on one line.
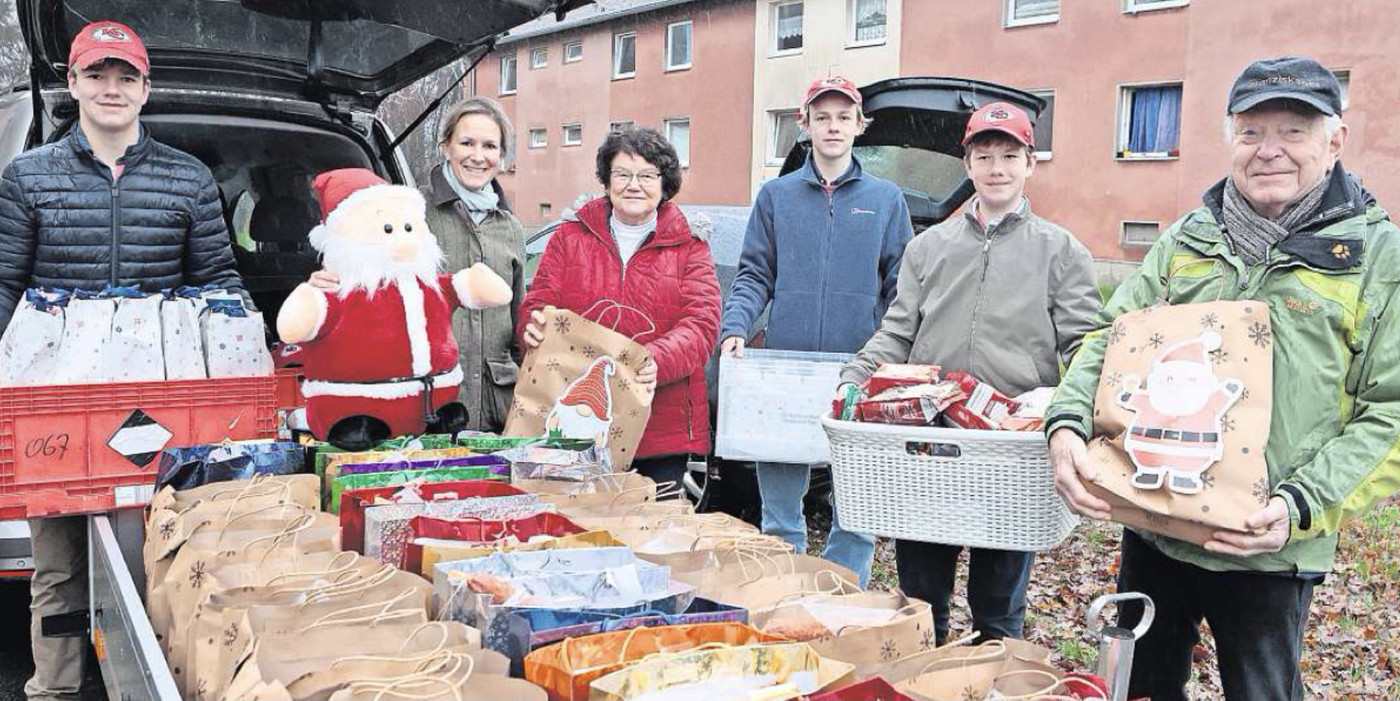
[[16, 660]]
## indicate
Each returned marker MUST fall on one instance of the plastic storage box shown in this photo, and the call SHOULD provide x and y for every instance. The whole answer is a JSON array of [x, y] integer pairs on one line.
[[771, 403], [986, 489], [73, 449]]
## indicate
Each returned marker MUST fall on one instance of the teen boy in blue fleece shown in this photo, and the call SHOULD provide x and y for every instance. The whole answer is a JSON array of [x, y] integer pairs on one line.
[[823, 247]]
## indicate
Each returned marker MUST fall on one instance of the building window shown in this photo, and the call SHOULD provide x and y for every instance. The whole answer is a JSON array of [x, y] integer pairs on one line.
[[539, 138], [507, 75], [625, 55], [1139, 233], [573, 134], [783, 132], [678, 133], [573, 51], [787, 27], [867, 20], [1020, 13], [1344, 77], [1134, 6], [678, 45], [615, 127], [1045, 126], [539, 57], [546, 210], [1150, 123]]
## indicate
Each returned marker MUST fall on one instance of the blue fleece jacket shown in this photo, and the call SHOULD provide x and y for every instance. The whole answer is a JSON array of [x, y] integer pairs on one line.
[[827, 264]]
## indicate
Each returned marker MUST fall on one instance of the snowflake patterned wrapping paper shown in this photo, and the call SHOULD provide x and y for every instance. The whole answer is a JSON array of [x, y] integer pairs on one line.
[[581, 382], [1182, 416]]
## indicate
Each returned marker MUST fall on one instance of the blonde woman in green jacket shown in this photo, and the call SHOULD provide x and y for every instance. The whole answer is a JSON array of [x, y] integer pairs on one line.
[[1291, 228]]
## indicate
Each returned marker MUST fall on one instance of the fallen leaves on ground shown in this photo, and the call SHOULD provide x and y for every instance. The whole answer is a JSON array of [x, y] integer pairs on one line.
[[1351, 647]]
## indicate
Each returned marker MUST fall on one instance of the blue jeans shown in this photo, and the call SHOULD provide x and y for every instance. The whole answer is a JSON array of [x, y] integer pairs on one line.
[[996, 585], [782, 487]]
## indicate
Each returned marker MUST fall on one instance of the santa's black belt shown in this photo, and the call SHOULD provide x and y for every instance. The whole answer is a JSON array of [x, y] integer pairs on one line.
[[1168, 434]]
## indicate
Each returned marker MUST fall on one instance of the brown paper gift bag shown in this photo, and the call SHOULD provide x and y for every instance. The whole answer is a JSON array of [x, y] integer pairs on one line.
[[757, 583], [1182, 416], [453, 677], [961, 671], [833, 626], [581, 382]]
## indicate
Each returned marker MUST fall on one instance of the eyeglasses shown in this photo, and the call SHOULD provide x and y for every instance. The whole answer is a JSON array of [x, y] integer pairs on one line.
[[647, 179]]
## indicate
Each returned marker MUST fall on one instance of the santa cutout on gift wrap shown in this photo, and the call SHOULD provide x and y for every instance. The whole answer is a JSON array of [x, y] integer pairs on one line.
[[1176, 433], [584, 410], [379, 356]]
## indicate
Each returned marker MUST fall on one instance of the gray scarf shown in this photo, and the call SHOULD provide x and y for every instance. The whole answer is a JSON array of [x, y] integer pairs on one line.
[[479, 203], [1250, 235]]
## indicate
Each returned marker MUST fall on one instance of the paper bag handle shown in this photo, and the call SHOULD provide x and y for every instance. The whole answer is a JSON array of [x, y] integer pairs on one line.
[[610, 305], [1054, 680]]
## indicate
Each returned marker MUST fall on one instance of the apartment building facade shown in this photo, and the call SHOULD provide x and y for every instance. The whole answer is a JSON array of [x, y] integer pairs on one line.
[[1139, 88], [680, 67], [1136, 88]]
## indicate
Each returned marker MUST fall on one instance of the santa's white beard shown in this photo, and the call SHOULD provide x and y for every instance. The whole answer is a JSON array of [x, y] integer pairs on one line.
[[1179, 399], [573, 424], [369, 266]]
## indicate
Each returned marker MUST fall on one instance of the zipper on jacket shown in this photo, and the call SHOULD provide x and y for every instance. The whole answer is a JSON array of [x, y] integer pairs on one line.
[[825, 255], [977, 308], [689, 418], [116, 229]]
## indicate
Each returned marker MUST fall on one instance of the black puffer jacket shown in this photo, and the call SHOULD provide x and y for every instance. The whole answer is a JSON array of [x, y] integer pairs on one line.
[[64, 223]]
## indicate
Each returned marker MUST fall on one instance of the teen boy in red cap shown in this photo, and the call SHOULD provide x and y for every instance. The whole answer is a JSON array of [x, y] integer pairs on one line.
[[1002, 294], [106, 204]]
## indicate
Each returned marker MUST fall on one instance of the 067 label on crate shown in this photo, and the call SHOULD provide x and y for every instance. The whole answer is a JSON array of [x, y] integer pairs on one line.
[[134, 494]]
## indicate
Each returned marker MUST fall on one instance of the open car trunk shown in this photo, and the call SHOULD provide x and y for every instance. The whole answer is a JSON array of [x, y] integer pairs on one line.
[[914, 138]]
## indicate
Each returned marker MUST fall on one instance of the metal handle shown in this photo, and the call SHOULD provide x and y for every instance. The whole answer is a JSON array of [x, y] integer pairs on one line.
[[1096, 608]]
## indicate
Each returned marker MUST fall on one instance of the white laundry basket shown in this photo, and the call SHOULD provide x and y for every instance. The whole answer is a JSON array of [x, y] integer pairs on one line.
[[986, 489]]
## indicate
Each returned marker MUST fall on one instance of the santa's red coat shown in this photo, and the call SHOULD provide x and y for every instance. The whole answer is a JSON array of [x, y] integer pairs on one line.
[[371, 352]]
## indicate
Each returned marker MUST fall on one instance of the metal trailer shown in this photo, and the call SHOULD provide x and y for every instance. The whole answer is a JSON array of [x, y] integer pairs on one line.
[[133, 665]]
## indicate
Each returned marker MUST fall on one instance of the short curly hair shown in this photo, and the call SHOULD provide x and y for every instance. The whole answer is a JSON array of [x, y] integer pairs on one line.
[[648, 145]]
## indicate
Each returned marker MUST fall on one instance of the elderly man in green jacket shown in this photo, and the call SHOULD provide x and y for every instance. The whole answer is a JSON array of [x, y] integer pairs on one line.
[[1291, 228]]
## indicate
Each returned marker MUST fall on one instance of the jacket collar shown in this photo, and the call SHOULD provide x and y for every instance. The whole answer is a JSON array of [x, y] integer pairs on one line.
[[672, 229], [853, 173], [440, 192], [1012, 218], [1318, 244], [78, 141]]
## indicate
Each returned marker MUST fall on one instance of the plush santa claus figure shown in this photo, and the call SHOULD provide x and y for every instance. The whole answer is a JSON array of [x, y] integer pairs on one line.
[[1175, 435], [378, 353], [584, 410]]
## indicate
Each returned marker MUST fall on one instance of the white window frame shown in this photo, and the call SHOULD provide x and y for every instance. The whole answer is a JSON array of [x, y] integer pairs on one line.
[[619, 125], [578, 44], [514, 63], [1125, 118], [1044, 155], [773, 50], [772, 158], [617, 55], [666, 125], [539, 57], [542, 141], [1123, 233], [851, 41], [1009, 18], [566, 141], [1133, 7], [690, 47], [1344, 77]]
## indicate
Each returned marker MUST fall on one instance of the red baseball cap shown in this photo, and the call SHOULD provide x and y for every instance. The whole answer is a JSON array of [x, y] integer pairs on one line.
[[1003, 117], [103, 40], [822, 86]]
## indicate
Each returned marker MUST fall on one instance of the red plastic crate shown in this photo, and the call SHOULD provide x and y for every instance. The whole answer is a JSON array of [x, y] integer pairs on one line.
[[54, 453]]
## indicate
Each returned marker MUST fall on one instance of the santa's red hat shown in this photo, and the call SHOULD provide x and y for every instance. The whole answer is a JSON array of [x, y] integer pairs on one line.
[[341, 189], [1192, 350], [591, 390]]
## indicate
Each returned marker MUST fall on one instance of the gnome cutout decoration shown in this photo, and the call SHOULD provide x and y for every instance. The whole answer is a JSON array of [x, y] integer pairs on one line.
[[378, 353], [584, 410], [1175, 435]]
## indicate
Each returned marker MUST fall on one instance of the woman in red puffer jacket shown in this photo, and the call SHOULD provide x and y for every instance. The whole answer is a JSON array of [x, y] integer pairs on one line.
[[634, 247]]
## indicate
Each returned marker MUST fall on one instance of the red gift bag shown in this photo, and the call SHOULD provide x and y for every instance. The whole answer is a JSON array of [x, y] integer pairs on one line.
[[473, 530], [872, 689], [354, 501]]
